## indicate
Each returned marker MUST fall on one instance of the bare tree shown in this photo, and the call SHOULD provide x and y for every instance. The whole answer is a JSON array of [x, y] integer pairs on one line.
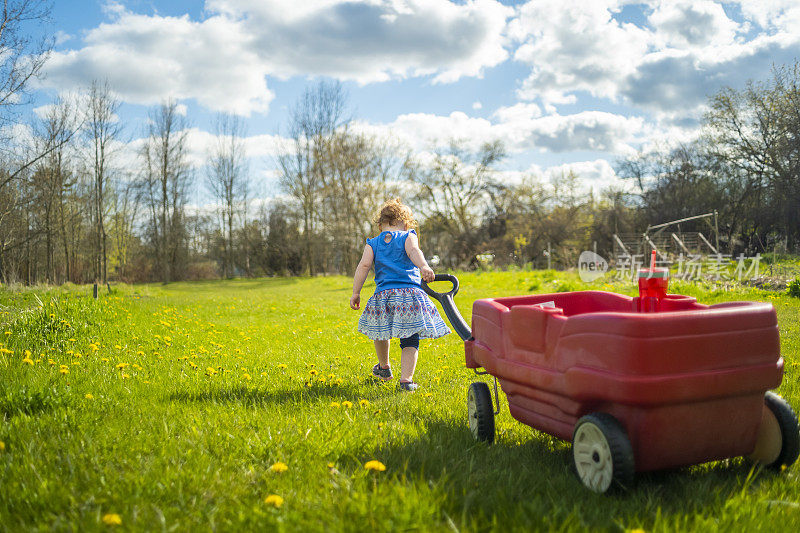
[[227, 180], [102, 130], [165, 182], [453, 192], [21, 56], [320, 112], [53, 177]]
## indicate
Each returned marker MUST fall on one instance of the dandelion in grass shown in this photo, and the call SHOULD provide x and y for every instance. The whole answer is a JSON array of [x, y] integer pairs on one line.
[[274, 500], [335, 405], [375, 466], [89, 396], [279, 467], [125, 376], [63, 369], [347, 405], [313, 372], [121, 366], [112, 519], [28, 361], [246, 377], [364, 403]]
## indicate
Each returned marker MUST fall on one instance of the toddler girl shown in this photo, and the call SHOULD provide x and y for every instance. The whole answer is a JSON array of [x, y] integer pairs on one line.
[[398, 308]]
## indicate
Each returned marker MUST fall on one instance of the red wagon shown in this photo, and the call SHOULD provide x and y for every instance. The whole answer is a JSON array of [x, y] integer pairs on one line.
[[635, 383]]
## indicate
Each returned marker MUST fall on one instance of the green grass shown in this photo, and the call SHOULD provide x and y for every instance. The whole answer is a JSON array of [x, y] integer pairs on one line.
[[179, 399]]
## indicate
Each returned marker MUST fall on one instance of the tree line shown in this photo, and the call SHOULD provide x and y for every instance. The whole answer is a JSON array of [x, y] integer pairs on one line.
[[77, 206]]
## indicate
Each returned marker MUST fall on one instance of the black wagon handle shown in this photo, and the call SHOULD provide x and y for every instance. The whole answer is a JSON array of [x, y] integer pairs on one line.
[[450, 310]]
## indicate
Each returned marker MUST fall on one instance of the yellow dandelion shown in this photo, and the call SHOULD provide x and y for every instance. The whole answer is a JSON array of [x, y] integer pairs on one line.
[[63, 369], [375, 466], [94, 347], [125, 376], [89, 396], [121, 366], [27, 353], [274, 500], [313, 372], [246, 377], [347, 404], [2, 446], [112, 519], [28, 361], [211, 371], [335, 405], [363, 403], [279, 467], [282, 366]]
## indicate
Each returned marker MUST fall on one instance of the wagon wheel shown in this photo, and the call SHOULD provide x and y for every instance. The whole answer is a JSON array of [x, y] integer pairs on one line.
[[480, 412], [778, 440], [602, 453]]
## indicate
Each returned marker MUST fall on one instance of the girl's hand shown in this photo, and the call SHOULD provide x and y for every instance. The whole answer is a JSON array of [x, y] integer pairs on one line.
[[427, 273], [355, 301]]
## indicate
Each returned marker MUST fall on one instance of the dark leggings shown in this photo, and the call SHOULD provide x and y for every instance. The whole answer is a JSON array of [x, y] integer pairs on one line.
[[410, 342]]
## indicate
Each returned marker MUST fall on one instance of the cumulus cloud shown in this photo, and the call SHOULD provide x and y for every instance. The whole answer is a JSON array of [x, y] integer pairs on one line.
[[147, 59], [573, 45], [520, 127], [374, 40], [223, 61], [690, 23], [684, 52]]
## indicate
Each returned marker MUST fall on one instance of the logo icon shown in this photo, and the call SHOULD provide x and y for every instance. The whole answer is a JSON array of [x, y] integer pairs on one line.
[[591, 266]]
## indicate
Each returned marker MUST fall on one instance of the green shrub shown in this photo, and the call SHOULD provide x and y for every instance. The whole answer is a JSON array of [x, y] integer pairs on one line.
[[794, 288]]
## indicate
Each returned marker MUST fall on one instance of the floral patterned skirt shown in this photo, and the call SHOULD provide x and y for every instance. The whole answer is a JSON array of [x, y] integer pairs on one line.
[[400, 313]]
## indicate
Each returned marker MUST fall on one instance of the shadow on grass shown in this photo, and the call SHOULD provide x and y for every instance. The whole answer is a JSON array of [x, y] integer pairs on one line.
[[256, 396], [232, 285], [532, 485]]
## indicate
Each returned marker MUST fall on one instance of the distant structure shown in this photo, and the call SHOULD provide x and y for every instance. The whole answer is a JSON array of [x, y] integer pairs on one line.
[[670, 244]]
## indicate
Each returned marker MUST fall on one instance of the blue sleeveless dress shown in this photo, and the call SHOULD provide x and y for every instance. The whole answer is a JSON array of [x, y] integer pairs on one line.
[[399, 308]]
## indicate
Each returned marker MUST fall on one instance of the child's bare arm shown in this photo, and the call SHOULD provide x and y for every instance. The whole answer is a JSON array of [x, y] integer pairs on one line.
[[362, 270], [418, 258]]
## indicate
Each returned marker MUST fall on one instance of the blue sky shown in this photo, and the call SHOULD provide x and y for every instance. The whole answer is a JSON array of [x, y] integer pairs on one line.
[[566, 84]]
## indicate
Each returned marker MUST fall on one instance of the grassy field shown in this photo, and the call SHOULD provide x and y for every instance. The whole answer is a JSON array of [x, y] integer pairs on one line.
[[249, 405]]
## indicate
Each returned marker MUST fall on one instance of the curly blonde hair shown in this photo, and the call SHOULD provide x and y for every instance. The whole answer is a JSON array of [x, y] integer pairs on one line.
[[394, 212]]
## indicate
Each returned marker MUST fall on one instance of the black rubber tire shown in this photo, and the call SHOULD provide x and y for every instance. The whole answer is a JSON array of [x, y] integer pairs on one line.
[[790, 434], [480, 412], [602, 453]]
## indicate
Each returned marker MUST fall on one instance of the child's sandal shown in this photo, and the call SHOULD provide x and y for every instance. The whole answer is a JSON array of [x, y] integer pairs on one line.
[[409, 386], [382, 373]]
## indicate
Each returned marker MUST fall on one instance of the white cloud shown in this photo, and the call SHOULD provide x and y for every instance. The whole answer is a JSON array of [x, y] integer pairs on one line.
[[477, 105], [373, 40], [223, 60], [684, 52], [772, 14], [691, 23], [147, 59], [573, 45], [519, 127]]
